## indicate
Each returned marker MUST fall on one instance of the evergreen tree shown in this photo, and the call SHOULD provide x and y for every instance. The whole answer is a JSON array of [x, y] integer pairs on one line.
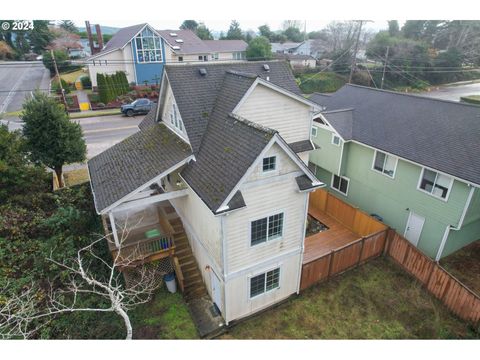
[[235, 32], [102, 88], [259, 48]]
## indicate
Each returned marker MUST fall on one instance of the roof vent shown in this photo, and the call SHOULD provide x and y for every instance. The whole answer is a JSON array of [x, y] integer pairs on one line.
[[179, 40], [173, 34], [202, 71], [268, 78], [266, 67], [176, 47]]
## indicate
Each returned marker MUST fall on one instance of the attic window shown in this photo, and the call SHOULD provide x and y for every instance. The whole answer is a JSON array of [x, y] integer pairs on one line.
[[266, 67], [203, 71], [179, 40], [173, 34]]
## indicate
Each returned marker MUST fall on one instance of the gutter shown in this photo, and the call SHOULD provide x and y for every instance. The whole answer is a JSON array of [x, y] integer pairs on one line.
[[455, 228]]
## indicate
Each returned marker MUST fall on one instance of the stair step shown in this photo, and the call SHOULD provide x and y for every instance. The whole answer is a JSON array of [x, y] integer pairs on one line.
[[198, 293], [184, 264], [183, 251]]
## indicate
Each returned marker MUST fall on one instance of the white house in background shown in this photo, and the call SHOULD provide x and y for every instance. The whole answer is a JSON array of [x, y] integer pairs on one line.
[[142, 52], [312, 47], [232, 166], [298, 61]]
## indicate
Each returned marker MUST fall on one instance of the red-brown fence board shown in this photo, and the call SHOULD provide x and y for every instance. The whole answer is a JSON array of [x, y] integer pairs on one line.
[[315, 272]]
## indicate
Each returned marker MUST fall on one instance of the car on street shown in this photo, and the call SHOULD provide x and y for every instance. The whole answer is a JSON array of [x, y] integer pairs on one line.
[[139, 106]]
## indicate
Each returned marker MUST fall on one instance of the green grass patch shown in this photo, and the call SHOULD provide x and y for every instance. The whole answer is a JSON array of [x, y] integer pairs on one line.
[[375, 301], [75, 177], [323, 82], [11, 114], [165, 317], [87, 114], [71, 77], [471, 99]]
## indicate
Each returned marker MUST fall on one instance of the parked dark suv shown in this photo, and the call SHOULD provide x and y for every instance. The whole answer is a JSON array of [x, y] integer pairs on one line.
[[139, 106]]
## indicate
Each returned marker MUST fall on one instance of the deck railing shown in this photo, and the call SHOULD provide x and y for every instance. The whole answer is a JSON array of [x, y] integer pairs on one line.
[[143, 249]]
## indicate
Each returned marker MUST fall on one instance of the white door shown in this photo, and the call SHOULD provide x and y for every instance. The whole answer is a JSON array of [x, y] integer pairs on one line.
[[216, 290], [414, 227]]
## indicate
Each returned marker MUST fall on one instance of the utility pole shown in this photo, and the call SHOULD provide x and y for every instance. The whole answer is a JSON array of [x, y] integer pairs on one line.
[[385, 66], [354, 59], [59, 79]]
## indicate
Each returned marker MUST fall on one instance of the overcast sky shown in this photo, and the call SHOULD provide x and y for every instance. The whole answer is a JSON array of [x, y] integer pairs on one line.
[[223, 25]]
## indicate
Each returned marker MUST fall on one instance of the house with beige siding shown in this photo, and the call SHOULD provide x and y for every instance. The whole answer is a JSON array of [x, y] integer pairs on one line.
[[215, 184]]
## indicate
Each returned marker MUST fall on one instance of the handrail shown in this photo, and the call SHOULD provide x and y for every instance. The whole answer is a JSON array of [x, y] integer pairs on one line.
[[146, 247], [178, 271]]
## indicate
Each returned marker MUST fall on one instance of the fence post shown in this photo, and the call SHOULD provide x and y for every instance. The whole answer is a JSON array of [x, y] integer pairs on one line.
[[361, 251], [330, 264], [388, 241]]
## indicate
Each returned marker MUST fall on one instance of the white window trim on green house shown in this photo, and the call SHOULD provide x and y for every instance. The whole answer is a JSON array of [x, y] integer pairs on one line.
[[334, 137], [314, 131], [340, 183], [431, 193], [265, 274], [385, 160]]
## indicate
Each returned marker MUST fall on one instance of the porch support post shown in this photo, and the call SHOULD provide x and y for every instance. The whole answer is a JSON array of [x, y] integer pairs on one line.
[[114, 229]]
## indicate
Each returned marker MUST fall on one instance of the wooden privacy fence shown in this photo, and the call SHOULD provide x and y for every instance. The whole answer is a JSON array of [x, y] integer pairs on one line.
[[351, 217], [344, 258], [438, 281]]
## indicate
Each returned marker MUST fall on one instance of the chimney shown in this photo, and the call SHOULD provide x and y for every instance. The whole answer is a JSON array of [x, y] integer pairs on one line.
[[99, 37], [90, 38]]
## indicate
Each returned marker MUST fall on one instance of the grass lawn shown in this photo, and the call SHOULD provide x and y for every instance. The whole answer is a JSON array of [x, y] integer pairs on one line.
[[375, 301], [464, 264], [165, 317], [86, 114], [75, 177], [71, 77]]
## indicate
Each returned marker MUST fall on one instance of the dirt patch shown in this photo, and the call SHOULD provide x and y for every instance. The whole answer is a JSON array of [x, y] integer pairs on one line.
[[465, 266]]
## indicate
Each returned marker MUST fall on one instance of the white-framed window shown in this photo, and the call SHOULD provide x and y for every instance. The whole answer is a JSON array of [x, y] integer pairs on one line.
[[180, 58], [340, 184], [265, 282], [269, 163], [314, 131], [175, 118], [215, 56], [238, 55], [385, 164], [435, 183], [266, 229], [336, 140], [149, 47]]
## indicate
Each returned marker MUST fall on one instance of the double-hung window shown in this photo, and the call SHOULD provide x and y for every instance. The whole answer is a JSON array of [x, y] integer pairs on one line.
[[435, 183], [265, 282], [385, 164], [340, 184], [265, 229], [336, 140]]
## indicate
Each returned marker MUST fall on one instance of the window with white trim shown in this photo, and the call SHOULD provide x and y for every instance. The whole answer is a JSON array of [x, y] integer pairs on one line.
[[265, 229], [435, 183], [265, 282], [336, 140], [175, 118], [269, 163], [386, 164], [340, 184], [314, 131]]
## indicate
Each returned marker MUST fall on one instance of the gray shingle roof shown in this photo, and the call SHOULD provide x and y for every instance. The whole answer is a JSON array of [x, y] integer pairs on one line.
[[304, 183], [126, 166], [342, 121], [301, 146], [149, 119], [440, 134], [226, 45], [196, 94], [121, 38], [230, 145], [191, 44]]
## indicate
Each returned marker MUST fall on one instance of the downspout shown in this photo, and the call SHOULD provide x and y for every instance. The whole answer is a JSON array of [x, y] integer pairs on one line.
[[304, 227], [224, 255], [114, 229], [455, 228], [341, 159]]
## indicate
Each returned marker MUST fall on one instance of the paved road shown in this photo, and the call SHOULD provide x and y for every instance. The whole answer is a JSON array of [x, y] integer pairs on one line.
[[454, 92], [17, 80], [101, 132]]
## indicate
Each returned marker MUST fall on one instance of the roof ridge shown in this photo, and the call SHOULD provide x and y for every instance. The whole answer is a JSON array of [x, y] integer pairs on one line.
[[337, 110], [412, 95], [243, 74], [219, 63], [252, 124]]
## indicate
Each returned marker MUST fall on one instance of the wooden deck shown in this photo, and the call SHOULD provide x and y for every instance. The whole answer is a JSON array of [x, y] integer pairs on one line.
[[324, 242]]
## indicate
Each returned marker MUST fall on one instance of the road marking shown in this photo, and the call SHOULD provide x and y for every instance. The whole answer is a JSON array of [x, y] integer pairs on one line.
[[110, 129], [9, 97]]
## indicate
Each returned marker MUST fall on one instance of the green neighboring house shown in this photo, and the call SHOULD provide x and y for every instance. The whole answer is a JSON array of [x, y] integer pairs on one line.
[[411, 160]]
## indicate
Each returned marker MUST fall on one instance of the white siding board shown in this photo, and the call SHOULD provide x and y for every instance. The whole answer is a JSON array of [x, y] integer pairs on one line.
[[291, 118]]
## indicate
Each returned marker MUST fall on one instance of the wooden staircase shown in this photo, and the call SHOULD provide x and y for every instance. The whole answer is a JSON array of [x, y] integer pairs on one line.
[[194, 287]]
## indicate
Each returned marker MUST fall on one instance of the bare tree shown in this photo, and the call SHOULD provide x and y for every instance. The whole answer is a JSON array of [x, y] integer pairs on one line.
[[18, 315]]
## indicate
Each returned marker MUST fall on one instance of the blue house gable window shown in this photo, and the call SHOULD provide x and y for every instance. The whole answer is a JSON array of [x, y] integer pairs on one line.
[[149, 47]]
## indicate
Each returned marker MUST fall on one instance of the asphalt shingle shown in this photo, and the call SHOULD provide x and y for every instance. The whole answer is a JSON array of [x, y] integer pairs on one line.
[[443, 135], [126, 166]]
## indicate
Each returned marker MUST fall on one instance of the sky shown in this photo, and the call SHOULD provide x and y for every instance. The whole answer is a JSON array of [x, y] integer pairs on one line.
[[218, 25]]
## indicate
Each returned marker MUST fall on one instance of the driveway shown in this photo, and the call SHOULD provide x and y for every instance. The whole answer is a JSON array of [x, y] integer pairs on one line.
[[17, 80], [454, 92]]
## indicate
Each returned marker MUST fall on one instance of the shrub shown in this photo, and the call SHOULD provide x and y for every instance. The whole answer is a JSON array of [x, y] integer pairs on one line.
[[56, 86], [86, 82], [472, 99]]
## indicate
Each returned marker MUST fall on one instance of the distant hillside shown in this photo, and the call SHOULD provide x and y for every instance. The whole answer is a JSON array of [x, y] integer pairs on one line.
[[106, 30]]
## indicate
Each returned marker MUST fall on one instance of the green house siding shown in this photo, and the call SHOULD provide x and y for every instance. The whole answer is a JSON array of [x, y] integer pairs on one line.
[[393, 198], [328, 155]]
